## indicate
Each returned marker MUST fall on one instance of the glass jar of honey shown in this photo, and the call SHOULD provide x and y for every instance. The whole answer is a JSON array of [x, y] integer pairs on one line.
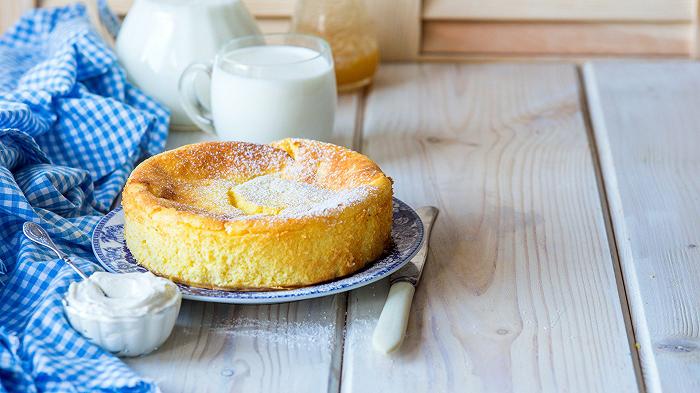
[[348, 29]]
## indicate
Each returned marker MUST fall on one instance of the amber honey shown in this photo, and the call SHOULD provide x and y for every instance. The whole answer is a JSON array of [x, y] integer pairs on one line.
[[355, 61], [346, 27]]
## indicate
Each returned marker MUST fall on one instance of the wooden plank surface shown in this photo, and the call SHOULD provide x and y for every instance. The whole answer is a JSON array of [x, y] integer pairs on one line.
[[270, 8], [11, 11], [398, 35], [546, 38], [120, 7], [278, 25], [570, 10], [263, 8], [519, 293], [398, 28], [647, 129], [293, 347], [628, 10]]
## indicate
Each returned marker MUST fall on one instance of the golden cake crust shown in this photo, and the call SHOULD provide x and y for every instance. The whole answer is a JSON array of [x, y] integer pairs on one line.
[[236, 215]]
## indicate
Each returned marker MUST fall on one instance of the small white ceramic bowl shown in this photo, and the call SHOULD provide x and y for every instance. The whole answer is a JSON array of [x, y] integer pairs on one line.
[[126, 336]]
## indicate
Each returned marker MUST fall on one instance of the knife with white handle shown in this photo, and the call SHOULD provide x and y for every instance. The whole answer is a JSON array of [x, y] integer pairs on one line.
[[391, 327]]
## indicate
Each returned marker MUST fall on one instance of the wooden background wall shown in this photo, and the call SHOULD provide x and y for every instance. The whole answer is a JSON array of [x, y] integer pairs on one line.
[[484, 29]]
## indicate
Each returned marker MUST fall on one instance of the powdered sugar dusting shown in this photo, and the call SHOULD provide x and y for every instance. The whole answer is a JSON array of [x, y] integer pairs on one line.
[[290, 179], [276, 192], [290, 199], [230, 160], [290, 333]]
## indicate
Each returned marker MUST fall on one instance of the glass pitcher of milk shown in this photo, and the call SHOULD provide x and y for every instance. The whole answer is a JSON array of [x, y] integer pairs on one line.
[[160, 38], [264, 88]]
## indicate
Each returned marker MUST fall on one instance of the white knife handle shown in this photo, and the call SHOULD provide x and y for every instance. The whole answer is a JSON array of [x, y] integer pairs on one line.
[[392, 323]]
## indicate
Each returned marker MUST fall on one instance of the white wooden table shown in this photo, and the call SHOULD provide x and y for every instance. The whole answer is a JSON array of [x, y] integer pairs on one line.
[[566, 257]]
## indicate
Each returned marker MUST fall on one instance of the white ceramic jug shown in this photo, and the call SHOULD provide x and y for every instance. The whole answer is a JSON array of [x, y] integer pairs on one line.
[[160, 38]]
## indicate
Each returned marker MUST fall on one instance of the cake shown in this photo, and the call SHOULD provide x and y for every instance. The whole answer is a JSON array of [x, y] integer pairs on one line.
[[243, 216]]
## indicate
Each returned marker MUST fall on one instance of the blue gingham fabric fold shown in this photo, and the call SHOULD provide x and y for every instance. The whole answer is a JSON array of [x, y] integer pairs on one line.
[[71, 130]]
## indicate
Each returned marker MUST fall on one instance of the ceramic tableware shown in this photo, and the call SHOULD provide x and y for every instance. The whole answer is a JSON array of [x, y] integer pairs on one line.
[[160, 38], [265, 88], [406, 237]]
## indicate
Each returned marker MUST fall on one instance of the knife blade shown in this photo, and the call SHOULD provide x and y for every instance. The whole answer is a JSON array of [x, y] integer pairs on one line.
[[391, 326], [413, 270]]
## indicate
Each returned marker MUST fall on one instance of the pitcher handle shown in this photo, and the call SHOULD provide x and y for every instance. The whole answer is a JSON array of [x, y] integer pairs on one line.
[[194, 108]]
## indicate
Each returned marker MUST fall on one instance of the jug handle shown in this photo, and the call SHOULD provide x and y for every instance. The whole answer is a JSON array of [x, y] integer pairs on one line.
[[194, 108]]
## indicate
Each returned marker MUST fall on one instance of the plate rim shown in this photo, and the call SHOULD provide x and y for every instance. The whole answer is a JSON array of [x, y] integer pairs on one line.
[[283, 296]]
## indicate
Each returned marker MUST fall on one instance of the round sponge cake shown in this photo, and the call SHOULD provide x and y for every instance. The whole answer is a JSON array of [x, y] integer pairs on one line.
[[234, 215]]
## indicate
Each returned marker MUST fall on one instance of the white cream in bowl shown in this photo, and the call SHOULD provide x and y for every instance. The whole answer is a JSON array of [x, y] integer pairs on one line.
[[134, 318]]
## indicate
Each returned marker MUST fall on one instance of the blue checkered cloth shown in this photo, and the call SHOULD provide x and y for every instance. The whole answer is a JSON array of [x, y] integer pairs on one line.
[[71, 130]]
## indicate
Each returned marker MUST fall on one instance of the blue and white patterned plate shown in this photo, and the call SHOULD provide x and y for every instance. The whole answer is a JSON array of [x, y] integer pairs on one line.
[[407, 234]]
